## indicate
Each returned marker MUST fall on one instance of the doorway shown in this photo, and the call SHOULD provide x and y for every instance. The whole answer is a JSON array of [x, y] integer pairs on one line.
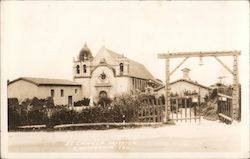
[[70, 100]]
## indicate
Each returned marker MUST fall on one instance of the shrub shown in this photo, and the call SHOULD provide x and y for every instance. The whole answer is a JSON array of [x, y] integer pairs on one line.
[[124, 104], [84, 102], [14, 119], [37, 117], [104, 101], [63, 116], [16, 115], [13, 103], [127, 104]]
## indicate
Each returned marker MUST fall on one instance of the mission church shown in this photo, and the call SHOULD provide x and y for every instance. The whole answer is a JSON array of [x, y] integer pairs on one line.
[[106, 75], [109, 74]]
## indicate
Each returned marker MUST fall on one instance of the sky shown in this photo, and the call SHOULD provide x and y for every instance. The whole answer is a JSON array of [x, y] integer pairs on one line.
[[40, 39]]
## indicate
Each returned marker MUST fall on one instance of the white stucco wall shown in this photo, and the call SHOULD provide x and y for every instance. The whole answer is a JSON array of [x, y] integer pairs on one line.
[[22, 89], [85, 89], [103, 54], [80, 64], [110, 82], [114, 85], [123, 85], [45, 91], [180, 86]]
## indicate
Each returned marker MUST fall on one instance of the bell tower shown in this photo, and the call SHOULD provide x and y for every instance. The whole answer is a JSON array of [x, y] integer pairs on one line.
[[83, 63], [122, 67], [82, 69]]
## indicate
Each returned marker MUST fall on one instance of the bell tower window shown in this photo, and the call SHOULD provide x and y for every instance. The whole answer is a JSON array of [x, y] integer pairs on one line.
[[77, 69], [121, 68], [84, 68]]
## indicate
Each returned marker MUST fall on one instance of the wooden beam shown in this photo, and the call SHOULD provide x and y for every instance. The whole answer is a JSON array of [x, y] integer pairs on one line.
[[198, 54], [226, 96], [178, 65], [190, 118], [224, 65]]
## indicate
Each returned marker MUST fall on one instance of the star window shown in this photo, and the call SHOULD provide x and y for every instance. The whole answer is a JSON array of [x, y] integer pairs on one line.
[[103, 76]]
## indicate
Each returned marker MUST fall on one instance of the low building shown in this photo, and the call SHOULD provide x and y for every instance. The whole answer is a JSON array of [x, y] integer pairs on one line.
[[64, 92], [185, 84]]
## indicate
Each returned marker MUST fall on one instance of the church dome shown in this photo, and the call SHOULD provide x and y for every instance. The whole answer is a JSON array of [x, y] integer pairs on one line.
[[85, 53]]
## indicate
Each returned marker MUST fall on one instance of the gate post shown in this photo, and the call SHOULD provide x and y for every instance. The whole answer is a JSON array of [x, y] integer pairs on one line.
[[235, 103], [167, 91]]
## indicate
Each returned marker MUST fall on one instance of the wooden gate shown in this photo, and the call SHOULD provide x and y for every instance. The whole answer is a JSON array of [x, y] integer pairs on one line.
[[182, 109], [186, 108], [224, 108], [151, 110]]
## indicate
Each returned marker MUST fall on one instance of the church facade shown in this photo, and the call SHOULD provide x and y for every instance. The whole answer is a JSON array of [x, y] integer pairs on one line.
[[110, 74]]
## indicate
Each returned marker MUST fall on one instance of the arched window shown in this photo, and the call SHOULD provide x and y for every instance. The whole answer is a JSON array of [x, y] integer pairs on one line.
[[77, 69], [84, 68], [121, 68]]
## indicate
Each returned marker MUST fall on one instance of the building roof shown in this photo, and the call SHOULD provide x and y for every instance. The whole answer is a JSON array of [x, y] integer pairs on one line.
[[47, 81], [191, 82], [186, 69], [136, 69], [184, 80]]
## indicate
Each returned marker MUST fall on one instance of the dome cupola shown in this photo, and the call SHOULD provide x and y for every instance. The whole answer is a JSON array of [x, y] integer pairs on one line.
[[85, 53]]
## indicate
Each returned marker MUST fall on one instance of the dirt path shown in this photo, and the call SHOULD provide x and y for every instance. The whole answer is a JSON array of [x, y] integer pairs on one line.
[[184, 137]]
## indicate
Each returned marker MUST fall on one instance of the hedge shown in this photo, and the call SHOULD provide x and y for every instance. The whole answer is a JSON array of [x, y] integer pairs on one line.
[[122, 108]]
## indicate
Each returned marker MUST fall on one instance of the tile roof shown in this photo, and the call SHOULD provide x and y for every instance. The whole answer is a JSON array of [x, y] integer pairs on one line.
[[47, 81], [135, 68]]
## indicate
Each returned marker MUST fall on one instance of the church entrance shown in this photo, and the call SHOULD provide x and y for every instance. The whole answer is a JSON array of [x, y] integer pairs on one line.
[[103, 94], [104, 100]]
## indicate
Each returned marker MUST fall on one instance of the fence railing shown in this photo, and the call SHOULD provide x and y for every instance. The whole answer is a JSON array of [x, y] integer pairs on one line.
[[151, 111], [224, 107], [182, 108], [185, 108]]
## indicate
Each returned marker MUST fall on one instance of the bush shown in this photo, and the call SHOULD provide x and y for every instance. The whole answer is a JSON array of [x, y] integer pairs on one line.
[[124, 104], [39, 104], [104, 101], [63, 116], [127, 104], [84, 102], [37, 117], [16, 115], [15, 118], [91, 115], [13, 103]]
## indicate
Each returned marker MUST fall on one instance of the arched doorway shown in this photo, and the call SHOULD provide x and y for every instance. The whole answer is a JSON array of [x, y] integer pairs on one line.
[[103, 94], [103, 99]]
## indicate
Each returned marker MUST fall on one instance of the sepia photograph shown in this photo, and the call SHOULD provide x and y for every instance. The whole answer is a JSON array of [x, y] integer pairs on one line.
[[124, 79]]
